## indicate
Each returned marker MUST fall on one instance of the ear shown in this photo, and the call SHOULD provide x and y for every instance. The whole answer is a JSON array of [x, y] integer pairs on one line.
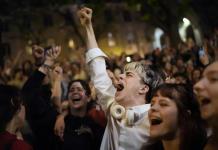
[[144, 89]]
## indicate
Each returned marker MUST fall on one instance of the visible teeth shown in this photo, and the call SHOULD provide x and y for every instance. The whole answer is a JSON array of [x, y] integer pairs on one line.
[[76, 97]]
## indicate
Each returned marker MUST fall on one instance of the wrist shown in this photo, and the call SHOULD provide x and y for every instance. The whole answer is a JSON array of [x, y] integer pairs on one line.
[[48, 67], [49, 62], [89, 27], [44, 68]]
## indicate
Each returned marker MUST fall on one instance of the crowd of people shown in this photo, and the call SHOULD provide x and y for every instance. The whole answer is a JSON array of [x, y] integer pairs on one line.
[[164, 100]]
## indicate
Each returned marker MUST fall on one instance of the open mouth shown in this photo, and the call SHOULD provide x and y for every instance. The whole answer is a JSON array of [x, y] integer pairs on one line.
[[205, 101], [76, 100], [119, 87], [156, 121]]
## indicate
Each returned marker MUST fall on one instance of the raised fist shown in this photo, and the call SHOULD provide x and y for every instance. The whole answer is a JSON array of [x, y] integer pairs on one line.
[[85, 15], [38, 54]]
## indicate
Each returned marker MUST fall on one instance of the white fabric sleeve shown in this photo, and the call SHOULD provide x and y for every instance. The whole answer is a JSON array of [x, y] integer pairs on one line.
[[104, 88]]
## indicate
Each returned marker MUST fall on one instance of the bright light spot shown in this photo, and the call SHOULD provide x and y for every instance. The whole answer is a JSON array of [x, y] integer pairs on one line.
[[128, 59], [71, 43], [186, 22], [111, 40], [157, 36], [182, 29]]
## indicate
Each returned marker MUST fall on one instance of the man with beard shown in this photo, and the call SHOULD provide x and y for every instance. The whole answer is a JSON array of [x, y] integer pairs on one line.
[[81, 132], [124, 103]]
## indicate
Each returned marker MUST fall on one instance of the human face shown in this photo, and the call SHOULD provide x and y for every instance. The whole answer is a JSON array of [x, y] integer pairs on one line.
[[77, 96], [196, 74], [207, 92], [163, 117], [130, 87]]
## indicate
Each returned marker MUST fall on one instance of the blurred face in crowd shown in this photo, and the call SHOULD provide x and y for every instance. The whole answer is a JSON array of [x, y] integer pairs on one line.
[[163, 116], [77, 96], [207, 92], [180, 63], [196, 74], [168, 66]]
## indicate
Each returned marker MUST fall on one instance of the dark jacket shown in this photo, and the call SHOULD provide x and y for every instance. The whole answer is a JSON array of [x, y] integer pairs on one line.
[[80, 133]]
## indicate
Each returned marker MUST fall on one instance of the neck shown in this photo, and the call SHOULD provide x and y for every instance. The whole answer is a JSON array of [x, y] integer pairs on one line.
[[132, 101], [171, 144], [81, 112], [12, 127]]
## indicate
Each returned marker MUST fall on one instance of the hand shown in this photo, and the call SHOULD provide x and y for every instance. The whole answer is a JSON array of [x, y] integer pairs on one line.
[[59, 126], [52, 54], [19, 135], [85, 16], [57, 73], [38, 54]]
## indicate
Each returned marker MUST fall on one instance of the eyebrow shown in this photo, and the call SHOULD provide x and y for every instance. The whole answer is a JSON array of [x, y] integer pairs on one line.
[[211, 72], [129, 72]]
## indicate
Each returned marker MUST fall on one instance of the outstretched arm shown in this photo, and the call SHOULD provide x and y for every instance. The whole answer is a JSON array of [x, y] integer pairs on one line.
[[85, 16], [96, 60], [56, 87]]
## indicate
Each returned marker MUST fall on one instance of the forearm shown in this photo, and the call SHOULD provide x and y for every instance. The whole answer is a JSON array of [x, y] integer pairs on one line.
[[34, 82], [56, 94], [90, 37], [104, 88], [32, 93]]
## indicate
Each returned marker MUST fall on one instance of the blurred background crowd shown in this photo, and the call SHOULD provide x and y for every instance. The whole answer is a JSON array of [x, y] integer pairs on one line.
[[178, 36]]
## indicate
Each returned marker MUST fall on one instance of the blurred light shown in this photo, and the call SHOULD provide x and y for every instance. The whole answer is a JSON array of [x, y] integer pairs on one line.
[[30, 42], [111, 41], [71, 43], [128, 59], [28, 49], [157, 38], [182, 29], [186, 22]]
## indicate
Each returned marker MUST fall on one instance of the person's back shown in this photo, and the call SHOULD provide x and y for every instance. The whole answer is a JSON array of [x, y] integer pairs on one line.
[[12, 116]]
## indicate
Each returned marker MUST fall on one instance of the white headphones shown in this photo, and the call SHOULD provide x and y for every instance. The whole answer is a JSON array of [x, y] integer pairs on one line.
[[119, 112]]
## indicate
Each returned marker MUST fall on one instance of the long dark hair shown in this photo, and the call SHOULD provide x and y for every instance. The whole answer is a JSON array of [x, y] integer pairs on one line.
[[193, 131], [10, 103]]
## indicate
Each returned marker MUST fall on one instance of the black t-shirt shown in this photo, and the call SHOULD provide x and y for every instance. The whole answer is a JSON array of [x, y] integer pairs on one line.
[[81, 133]]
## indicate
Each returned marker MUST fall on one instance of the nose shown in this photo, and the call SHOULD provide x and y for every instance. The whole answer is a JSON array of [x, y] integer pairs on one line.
[[154, 108], [121, 76], [199, 86]]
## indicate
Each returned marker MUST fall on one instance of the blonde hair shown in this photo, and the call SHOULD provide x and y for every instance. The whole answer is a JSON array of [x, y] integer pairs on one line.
[[150, 75]]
